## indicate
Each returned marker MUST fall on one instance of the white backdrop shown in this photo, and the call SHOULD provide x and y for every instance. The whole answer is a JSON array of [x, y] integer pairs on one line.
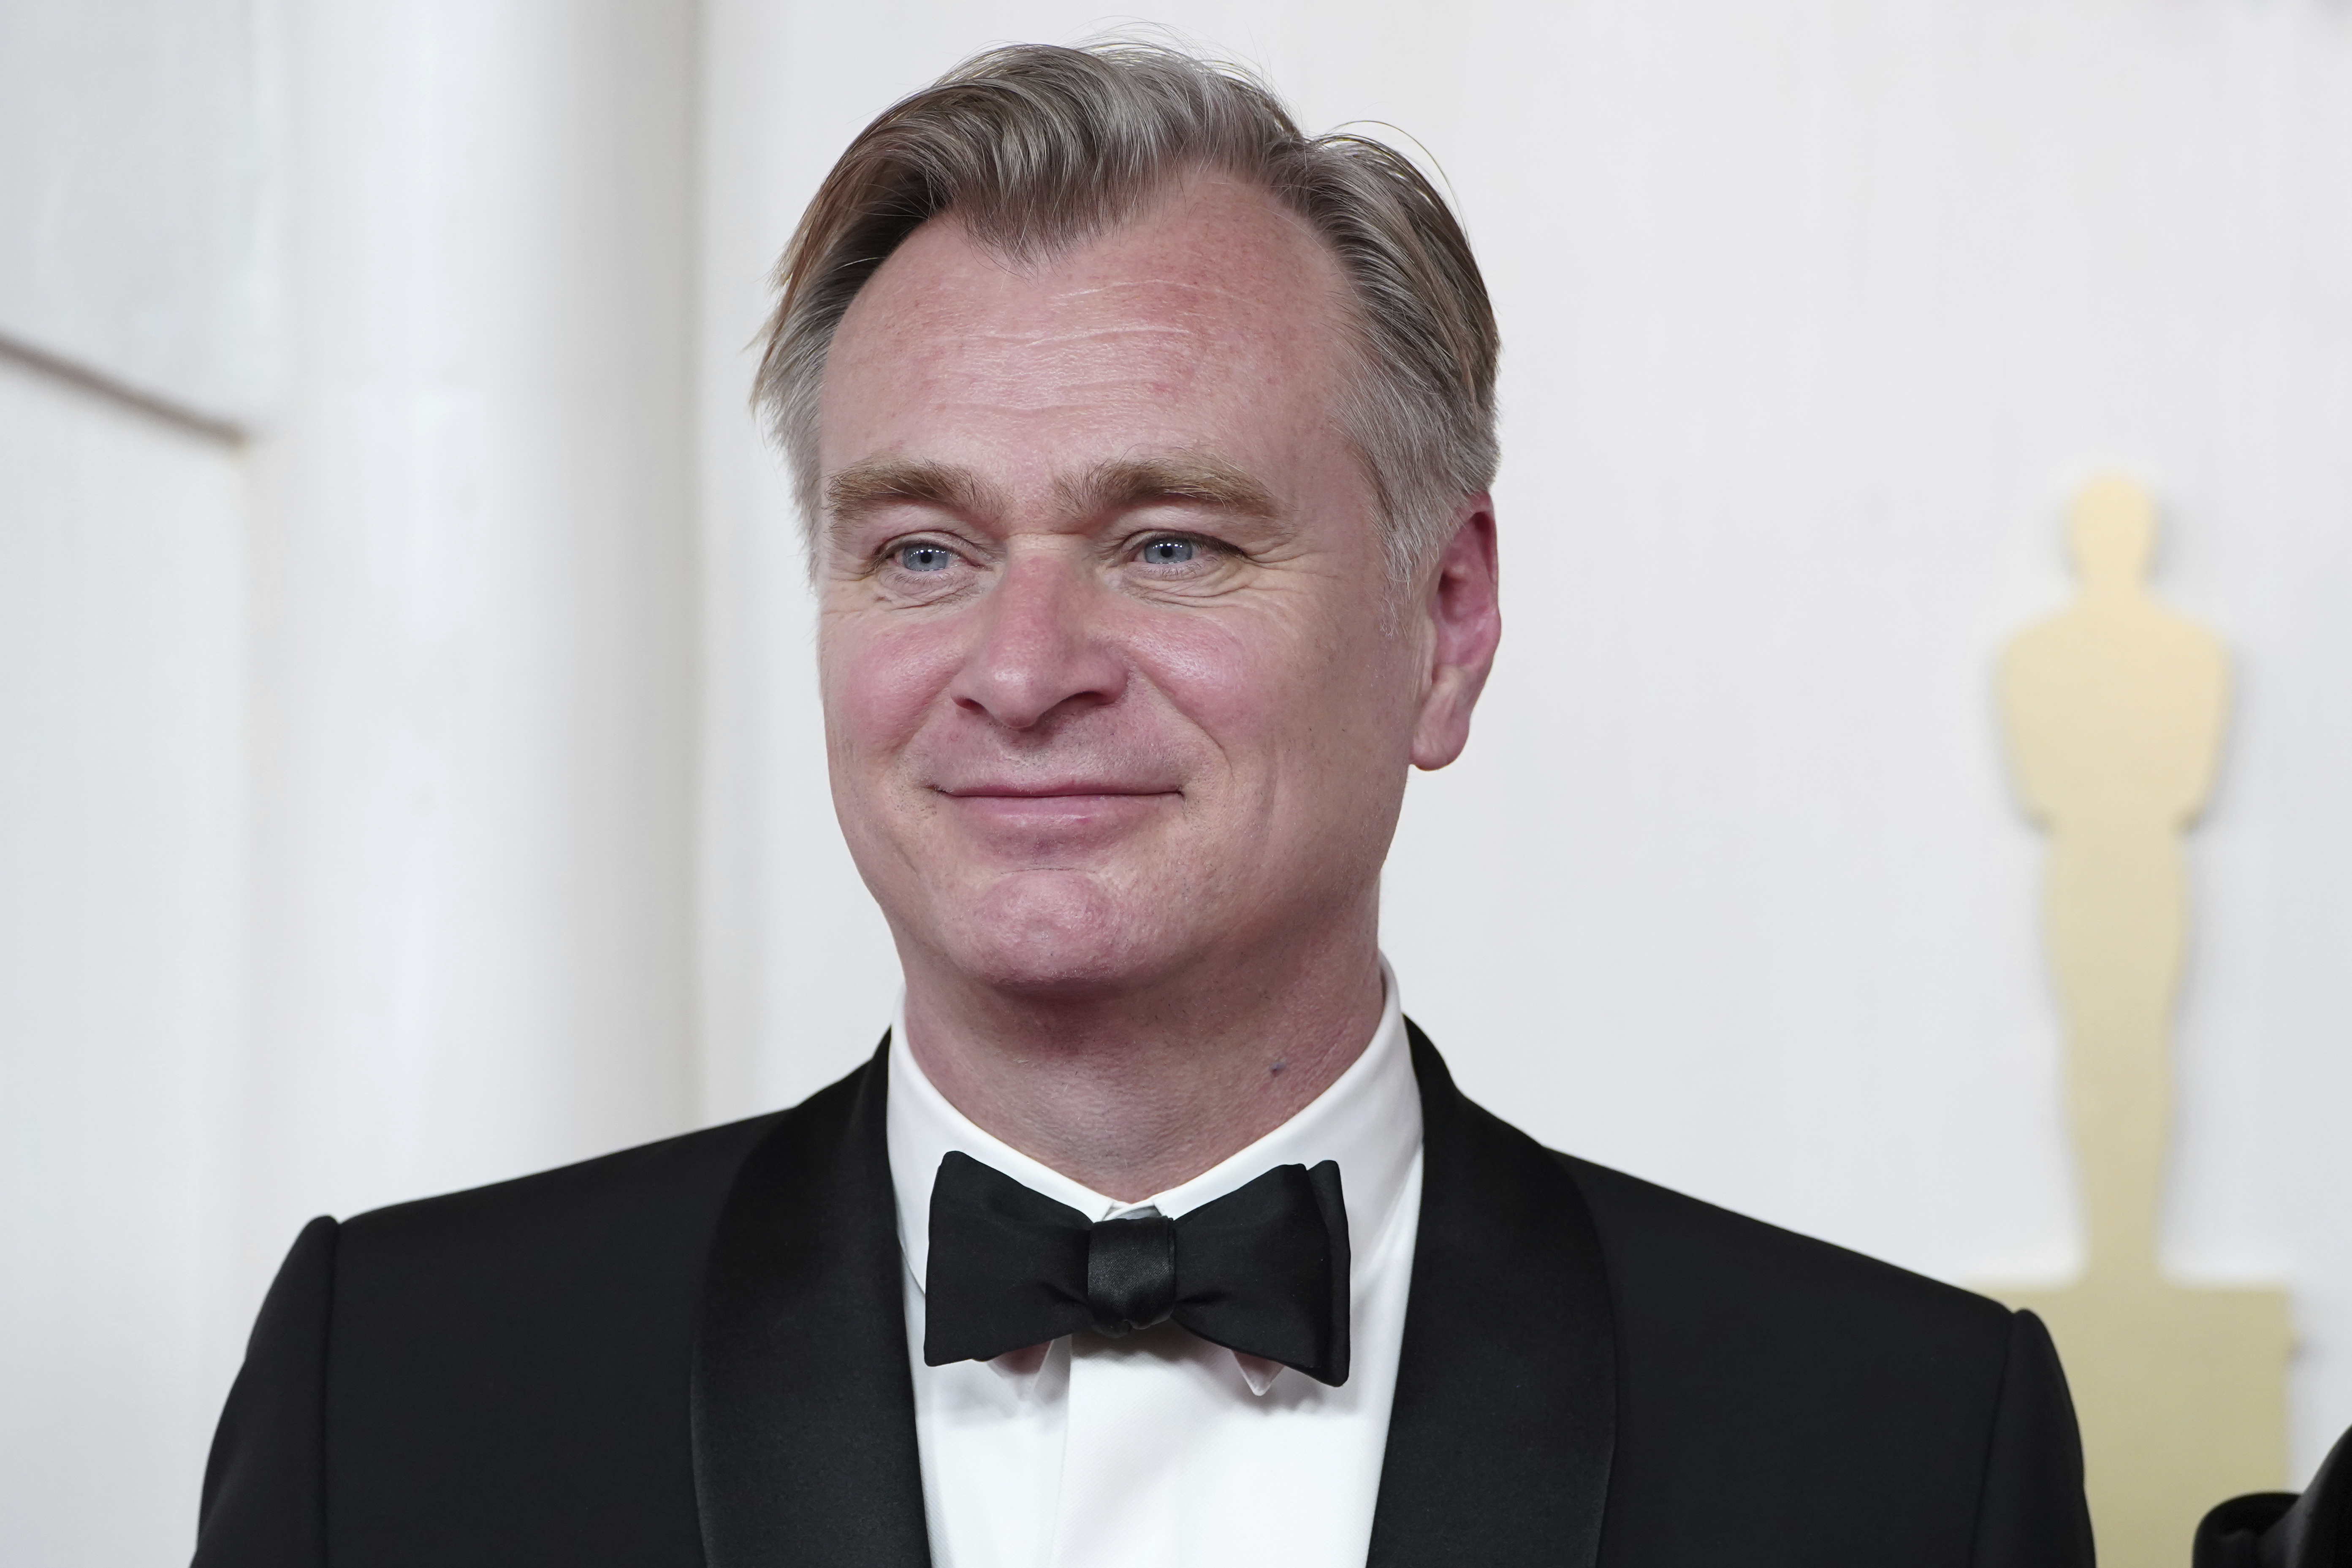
[[1814, 313]]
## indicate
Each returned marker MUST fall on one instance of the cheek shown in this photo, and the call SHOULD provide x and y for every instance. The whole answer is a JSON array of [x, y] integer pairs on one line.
[[1272, 694], [1237, 682], [878, 683]]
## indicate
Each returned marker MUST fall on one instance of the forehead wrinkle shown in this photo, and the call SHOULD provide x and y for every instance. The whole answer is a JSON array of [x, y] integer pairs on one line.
[[1091, 331], [1194, 317], [1212, 288]]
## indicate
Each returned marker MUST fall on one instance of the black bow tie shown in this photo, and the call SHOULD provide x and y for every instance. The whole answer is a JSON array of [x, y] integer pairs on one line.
[[1263, 1271]]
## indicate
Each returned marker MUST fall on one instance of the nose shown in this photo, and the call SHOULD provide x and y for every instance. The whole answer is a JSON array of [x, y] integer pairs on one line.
[[1040, 647]]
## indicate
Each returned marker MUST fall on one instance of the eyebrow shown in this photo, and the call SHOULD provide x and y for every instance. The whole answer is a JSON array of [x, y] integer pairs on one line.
[[876, 482], [1196, 478]]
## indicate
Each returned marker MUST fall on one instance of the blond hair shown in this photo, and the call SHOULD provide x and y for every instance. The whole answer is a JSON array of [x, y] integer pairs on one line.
[[1038, 148]]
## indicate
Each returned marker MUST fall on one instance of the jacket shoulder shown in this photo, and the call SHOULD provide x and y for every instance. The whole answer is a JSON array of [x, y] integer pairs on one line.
[[1777, 1389], [1729, 1269], [508, 1366], [650, 1187]]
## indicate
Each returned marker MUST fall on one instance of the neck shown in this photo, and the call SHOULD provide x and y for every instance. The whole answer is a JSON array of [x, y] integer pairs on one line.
[[1138, 1090]]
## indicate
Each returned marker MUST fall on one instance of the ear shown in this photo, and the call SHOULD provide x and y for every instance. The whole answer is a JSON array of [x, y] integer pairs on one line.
[[1462, 609]]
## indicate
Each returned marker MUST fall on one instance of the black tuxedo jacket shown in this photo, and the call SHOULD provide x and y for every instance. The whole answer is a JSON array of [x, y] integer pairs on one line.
[[694, 1353]]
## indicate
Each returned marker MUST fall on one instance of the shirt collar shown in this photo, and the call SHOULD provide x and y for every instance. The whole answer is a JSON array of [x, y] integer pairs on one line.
[[1369, 1120]]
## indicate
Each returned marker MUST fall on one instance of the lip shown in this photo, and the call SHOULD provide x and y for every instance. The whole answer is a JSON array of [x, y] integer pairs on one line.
[[1073, 791], [1027, 819]]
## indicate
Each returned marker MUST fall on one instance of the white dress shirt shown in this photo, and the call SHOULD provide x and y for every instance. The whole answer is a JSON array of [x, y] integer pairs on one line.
[[1159, 1449]]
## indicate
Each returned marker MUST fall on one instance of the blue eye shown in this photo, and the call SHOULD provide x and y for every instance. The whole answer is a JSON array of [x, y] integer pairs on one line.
[[925, 557], [1170, 552]]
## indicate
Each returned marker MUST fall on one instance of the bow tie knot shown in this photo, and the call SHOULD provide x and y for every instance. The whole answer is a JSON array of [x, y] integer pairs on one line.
[[1262, 1270], [1131, 1273]]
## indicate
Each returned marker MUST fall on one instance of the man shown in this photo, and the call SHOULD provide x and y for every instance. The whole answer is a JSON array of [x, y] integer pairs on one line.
[[1145, 447]]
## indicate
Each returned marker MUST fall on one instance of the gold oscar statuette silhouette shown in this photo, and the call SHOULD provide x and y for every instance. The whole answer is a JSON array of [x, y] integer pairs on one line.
[[2115, 713]]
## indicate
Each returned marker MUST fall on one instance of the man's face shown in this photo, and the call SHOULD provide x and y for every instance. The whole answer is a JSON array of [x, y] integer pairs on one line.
[[1109, 692]]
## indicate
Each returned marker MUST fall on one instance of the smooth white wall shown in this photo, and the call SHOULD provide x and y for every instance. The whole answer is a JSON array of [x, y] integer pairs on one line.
[[345, 734], [1812, 313], [137, 333], [122, 775], [472, 601], [139, 141]]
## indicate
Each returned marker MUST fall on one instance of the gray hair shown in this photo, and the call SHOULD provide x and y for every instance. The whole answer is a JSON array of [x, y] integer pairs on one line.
[[1038, 148]]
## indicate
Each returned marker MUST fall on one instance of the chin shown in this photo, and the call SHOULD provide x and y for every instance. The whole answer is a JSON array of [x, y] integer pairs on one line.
[[1063, 935]]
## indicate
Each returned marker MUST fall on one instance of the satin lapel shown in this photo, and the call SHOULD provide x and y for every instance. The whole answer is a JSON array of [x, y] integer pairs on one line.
[[1504, 1422], [804, 1407]]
